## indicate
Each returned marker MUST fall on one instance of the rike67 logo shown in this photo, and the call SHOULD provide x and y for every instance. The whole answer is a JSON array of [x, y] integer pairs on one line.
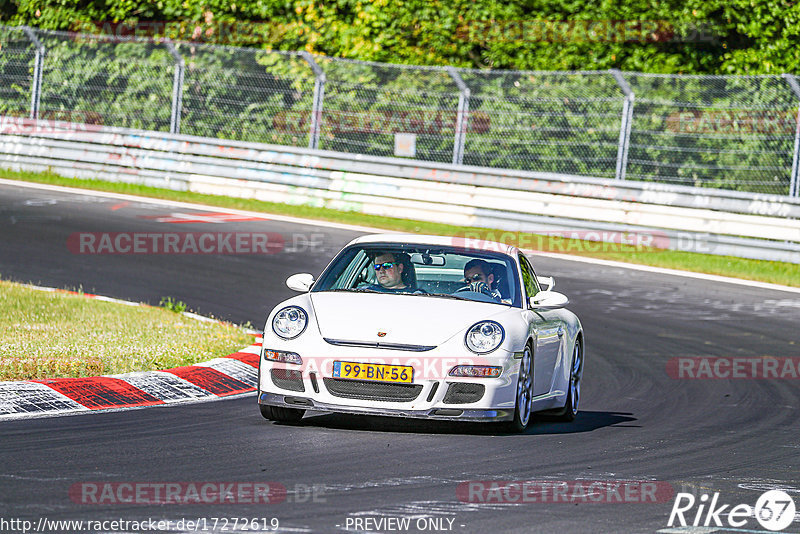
[[774, 510]]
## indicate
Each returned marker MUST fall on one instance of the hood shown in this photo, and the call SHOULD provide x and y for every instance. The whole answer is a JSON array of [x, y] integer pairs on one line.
[[406, 319]]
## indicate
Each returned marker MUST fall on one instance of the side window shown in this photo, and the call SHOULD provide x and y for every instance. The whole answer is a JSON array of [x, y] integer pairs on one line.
[[528, 277], [350, 276], [367, 275]]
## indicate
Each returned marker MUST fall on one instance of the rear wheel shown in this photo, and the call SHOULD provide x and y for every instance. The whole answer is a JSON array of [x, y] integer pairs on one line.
[[574, 394], [280, 414], [522, 411]]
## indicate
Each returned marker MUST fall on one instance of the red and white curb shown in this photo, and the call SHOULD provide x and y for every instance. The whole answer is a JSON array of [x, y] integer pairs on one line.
[[234, 374]]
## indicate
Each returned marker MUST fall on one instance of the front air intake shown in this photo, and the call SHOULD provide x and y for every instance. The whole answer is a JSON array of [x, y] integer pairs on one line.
[[288, 379], [463, 393], [364, 389]]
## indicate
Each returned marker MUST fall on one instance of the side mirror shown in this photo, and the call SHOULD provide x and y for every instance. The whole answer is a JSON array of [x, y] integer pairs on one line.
[[547, 281], [548, 300], [300, 282]]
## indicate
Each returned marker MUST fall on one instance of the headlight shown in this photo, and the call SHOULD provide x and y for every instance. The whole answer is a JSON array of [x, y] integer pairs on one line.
[[484, 337], [290, 322]]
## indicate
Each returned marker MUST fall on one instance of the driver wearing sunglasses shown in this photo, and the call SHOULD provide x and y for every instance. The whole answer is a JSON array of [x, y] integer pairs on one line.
[[389, 272]]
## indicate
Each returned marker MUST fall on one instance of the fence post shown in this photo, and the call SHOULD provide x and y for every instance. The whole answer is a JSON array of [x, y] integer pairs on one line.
[[462, 116], [794, 187], [177, 89], [319, 96], [625, 126], [36, 83]]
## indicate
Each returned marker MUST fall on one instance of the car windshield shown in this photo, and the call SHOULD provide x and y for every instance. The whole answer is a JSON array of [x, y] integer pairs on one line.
[[424, 271]]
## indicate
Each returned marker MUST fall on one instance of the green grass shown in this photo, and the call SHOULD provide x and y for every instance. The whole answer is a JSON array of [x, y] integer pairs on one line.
[[764, 271], [56, 334], [172, 305]]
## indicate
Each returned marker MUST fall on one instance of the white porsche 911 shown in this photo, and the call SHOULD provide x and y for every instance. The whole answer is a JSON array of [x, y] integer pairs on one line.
[[427, 327]]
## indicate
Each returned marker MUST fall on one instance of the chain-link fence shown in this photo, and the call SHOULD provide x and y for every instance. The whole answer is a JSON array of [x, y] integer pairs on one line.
[[18, 64], [731, 132], [245, 94], [366, 104], [549, 121]]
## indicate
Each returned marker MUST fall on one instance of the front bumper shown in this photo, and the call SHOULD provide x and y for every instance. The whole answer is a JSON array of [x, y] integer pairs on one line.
[[452, 414], [432, 394]]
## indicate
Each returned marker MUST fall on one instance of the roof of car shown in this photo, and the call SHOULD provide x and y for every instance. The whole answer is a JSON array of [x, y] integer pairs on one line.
[[436, 240]]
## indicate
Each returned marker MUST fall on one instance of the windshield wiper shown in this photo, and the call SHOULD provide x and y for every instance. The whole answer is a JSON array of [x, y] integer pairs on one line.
[[458, 297], [350, 290], [442, 295], [422, 294]]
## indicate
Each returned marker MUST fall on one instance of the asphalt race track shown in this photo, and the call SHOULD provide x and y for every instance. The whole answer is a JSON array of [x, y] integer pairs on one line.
[[737, 437]]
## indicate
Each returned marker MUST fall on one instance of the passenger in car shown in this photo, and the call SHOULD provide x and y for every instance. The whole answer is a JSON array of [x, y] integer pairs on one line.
[[479, 276]]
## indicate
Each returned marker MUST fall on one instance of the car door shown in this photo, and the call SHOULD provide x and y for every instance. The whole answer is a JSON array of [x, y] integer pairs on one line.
[[547, 330]]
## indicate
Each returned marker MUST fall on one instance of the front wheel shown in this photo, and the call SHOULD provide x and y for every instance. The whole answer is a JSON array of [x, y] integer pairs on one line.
[[522, 411], [280, 414]]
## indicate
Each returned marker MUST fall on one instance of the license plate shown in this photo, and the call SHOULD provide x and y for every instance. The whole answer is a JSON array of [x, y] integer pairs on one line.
[[378, 372]]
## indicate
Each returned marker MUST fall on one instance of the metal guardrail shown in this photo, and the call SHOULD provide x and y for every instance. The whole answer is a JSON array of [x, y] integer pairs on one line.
[[681, 218]]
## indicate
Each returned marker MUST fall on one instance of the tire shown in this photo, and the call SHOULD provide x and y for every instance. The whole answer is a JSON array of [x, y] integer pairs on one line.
[[570, 410], [522, 406], [280, 414]]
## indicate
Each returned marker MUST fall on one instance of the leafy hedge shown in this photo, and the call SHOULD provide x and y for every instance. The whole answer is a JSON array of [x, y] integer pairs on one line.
[[697, 36]]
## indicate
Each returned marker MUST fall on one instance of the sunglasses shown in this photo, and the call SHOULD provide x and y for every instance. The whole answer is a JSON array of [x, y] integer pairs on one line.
[[387, 265], [474, 278]]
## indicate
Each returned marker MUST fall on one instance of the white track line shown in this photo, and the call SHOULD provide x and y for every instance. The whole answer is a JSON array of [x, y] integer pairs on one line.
[[356, 228], [675, 272], [188, 205], [190, 315]]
